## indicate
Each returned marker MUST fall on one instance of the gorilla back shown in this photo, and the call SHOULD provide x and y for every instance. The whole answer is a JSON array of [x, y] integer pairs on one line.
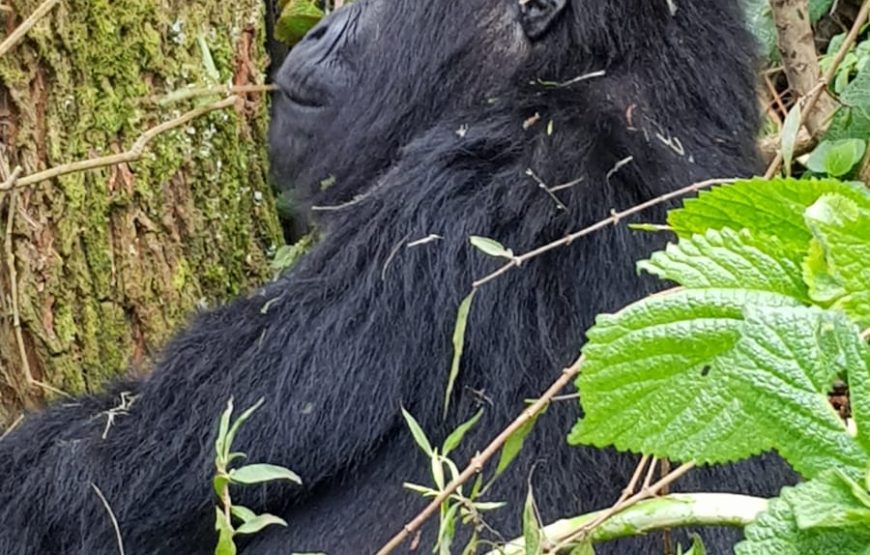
[[397, 121]]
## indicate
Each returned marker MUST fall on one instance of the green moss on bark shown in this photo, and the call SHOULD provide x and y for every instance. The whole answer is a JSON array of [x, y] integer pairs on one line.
[[110, 261]]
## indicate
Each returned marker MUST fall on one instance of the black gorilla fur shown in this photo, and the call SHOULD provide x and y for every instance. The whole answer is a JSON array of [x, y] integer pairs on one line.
[[417, 110]]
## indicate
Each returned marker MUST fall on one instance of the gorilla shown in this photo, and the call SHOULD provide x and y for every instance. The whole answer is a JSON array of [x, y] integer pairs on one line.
[[403, 127]]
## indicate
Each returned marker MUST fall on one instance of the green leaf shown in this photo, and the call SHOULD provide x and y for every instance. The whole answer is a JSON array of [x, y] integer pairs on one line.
[[767, 208], [837, 507], [287, 255], [422, 490], [437, 470], [242, 513], [790, 130], [697, 547], [514, 444], [219, 482], [259, 522], [418, 433], [220, 444], [484, 506], [297, 18], [857, 94], [447, 529], [490, 247], [836, 158], [225, 544], [752, 371], [211, 70], [837, 268], [258, 473], [531, 527], [458, 345], [455, 438], [733, 260], [231, 434], [584, 548], [819, 517]]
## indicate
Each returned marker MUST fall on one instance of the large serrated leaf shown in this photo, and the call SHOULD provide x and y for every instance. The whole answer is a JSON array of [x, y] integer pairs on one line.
[[784, 529], [729, 259], [838, 266], [767, 208], [715, 376]]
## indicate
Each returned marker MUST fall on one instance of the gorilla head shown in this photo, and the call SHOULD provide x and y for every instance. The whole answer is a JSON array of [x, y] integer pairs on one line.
[[400, 52], [520, 120], [377, 74]]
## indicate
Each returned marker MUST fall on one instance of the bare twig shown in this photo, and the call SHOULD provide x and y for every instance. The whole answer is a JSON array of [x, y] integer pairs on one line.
[[543, 186], [223, 90], [15, 423], [614, 219], [135, 152], [111, 516], [475, 466], [26, 25], [865, 335]]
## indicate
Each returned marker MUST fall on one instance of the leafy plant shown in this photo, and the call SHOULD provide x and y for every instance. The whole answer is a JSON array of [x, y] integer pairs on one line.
[[297, 17], [227, 512], [459, 507], [741, 359]]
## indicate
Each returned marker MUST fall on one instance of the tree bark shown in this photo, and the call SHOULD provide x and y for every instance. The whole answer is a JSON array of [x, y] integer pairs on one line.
[[107, 262], [797, 47]]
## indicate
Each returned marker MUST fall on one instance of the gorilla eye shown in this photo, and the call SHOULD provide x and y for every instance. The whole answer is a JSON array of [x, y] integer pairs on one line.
[[536, 16]]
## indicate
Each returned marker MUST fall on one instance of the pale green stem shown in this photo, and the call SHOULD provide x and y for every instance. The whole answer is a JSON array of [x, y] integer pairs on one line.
[[671, 511]]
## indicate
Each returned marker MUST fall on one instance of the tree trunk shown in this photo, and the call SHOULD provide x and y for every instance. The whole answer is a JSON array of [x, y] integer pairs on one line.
[[105, 263]]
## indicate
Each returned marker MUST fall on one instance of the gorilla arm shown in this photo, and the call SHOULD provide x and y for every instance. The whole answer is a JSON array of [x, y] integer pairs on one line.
[[333, 348]]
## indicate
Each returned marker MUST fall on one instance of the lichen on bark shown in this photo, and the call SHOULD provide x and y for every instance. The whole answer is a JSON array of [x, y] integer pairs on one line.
[[110, 261]]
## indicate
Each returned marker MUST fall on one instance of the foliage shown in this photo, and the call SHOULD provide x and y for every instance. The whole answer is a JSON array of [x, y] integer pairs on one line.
[[844, 145], [250, 474], [459, 507], [297, 17], [741, 358]]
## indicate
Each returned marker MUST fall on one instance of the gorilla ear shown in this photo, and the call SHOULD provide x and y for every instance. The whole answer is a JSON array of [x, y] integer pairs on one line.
[[536, 16]]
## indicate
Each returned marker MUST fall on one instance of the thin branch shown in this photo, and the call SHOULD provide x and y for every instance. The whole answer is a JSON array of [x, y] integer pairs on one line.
[[111, 516], [15, 423], [476, 464], [132, 155], [26, 25], [223, 90], [614, 219]]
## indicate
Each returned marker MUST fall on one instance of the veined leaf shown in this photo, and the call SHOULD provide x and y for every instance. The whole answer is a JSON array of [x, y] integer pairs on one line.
[[718, 375], [819, 517]]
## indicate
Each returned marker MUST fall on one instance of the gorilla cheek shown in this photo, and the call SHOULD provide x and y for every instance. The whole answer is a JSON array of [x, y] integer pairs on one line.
[[313, 81]]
